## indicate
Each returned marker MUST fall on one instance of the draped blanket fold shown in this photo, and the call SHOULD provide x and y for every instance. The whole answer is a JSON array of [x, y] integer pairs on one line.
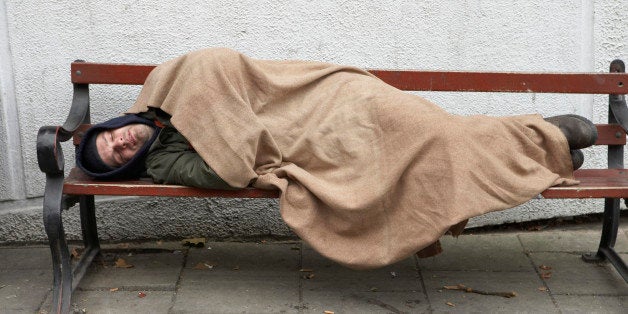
[[368, 174]]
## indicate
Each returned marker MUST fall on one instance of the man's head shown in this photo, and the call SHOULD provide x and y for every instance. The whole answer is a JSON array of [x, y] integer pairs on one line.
[[116, 149], [117, 146]]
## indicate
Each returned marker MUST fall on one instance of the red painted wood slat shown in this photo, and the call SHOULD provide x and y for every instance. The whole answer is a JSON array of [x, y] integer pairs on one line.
[[586, 83], [594, 183], [77, 183]]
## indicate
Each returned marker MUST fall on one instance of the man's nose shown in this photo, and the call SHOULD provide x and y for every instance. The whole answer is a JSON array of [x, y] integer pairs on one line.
[[119, 143]]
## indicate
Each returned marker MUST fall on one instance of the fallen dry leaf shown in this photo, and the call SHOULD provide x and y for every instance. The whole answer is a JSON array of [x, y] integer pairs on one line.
[[450, 304], [545, 267], [113, 289], [121, 263], [141, 294], [76, 253], [542, 288], [194, 242], [328, 312], [546, 275], [204, 265]]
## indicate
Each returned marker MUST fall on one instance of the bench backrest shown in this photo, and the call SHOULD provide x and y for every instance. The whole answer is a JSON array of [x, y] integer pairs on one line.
[[615, 82]]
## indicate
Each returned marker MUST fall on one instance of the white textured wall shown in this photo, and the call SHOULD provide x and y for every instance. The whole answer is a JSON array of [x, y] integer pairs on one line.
[[43, 37]]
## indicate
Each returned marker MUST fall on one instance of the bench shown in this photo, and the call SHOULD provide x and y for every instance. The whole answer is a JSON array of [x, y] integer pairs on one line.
[[62, 192]]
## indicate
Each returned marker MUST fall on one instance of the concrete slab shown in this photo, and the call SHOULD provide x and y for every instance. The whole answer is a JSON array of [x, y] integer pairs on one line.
[[569, 274], [243, 278], [592, 304], [254, 259], [564, 241], [122, 301], [529, 298], [365, 302], [491, 252], [23, 291], [157, 271], [321, 274], [329, 286], [237, 295]]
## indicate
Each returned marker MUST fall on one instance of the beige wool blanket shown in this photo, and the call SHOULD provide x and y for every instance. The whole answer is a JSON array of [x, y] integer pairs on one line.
[[368, 174]]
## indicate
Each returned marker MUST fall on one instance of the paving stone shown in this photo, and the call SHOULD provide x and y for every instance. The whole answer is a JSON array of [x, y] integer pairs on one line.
[[23, 291], [244, 278], [158, 271], [526, 285], [326, 275], [25, 258], [329, 286], [153, 302], [238, 295], [492, 252], [250, 258], [365, 302], [592, 304], [571, 275], [561, 241]]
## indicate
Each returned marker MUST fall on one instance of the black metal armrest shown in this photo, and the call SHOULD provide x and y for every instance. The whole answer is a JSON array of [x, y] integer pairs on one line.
[[51, 161], [49, 138], [49, 153]]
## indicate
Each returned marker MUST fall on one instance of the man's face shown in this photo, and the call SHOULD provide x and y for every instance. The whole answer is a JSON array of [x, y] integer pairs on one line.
[[116, 147]]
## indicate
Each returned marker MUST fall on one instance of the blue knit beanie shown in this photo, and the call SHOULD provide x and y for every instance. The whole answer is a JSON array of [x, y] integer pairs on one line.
[[88, 159]]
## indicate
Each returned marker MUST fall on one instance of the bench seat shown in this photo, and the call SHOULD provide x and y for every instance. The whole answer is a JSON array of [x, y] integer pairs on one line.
[[594, 183]]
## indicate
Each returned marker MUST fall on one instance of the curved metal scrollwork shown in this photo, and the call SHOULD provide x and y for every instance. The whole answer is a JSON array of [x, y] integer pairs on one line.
[[617, 102]]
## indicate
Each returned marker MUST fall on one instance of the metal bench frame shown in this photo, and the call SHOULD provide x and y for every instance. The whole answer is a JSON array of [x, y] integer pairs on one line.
[[62, 193]]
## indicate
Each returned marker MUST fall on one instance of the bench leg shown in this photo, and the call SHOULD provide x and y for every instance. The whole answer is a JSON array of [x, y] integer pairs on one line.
[[606, 249], [90, 237], [61, 263]]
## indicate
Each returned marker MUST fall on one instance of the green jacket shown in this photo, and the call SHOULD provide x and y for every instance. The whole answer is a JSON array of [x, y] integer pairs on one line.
[[172, 160]]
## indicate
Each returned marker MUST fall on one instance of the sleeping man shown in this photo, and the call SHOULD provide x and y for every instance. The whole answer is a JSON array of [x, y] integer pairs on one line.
[[368, 174]]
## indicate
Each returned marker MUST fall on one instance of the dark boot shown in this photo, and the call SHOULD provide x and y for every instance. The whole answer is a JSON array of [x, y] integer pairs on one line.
[[577, 158], [579, 131]]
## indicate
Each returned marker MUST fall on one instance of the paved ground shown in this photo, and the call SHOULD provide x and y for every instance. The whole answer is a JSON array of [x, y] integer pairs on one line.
[[543, 268]]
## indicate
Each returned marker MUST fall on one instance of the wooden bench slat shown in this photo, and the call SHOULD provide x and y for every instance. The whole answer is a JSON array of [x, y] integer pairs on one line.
[[594, 183], [109, 73], [77, 183], [610, 134], [579, 83], [585, 83]]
